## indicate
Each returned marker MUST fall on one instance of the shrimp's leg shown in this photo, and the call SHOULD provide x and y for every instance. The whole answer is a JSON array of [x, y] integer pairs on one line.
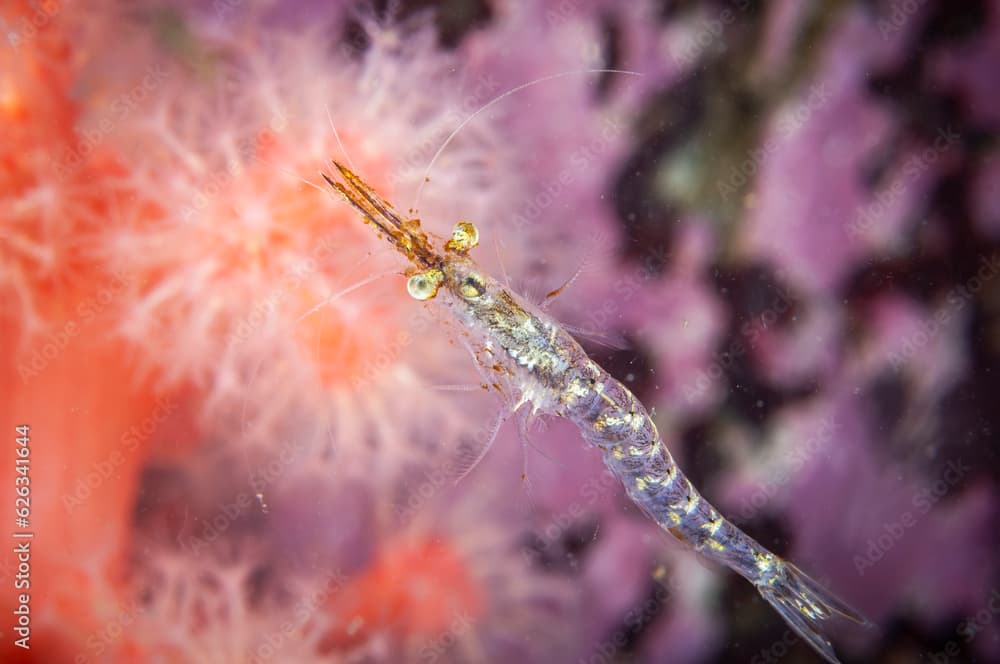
[[469, 387], [503, 268], [614, 341], [599, 242], [551, 296], [524, 423], [502, 416], [522, 432]]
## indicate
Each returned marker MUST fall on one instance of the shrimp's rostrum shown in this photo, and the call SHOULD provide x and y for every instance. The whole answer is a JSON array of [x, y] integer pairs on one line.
[[546, 369]]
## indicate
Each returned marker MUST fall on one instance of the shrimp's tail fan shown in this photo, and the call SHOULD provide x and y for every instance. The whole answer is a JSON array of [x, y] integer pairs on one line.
[[806, 605]]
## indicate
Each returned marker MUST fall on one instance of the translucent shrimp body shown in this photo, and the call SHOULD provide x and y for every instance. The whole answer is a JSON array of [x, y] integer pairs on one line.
[[531, 360]]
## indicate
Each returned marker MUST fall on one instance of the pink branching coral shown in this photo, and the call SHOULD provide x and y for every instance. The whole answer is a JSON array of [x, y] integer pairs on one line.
[[221, 581]]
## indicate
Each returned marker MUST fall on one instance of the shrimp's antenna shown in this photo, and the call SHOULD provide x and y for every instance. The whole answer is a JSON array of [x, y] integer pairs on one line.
[[336, 135], [329, 300], [291, 174], [498, 99], [339, 294]]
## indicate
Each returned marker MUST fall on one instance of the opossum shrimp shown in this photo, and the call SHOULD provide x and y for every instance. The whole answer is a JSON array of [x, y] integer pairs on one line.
[[538, 364]]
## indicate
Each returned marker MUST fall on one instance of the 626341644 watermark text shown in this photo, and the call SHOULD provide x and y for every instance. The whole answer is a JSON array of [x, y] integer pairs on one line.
[[21, 536]]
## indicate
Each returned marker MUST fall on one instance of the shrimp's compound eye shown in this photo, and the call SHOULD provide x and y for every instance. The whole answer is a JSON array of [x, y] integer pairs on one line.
[[464, 237], [472, 287], [424, 285]]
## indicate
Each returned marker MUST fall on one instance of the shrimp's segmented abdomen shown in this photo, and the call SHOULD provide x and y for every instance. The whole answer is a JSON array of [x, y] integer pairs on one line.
[[616, 422]]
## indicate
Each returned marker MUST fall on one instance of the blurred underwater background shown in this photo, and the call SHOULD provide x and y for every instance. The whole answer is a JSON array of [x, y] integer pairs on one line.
[[248, 443]]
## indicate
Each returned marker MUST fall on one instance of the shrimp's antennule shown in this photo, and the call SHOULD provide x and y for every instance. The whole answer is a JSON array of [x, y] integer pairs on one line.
[[404, 234]]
